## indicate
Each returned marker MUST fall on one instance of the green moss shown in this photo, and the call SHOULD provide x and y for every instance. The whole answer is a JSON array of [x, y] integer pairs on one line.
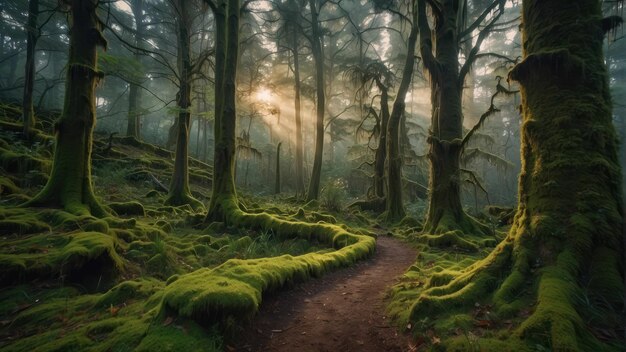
[[164, 225], [471, 342], [128, 208], [44, 255], [97, 226], [152, 194], [23, 226], [129, 291], [118, 223], [323, 217], [183, 336], [8, 187], [409, 221], [235, 288], [453, 239]]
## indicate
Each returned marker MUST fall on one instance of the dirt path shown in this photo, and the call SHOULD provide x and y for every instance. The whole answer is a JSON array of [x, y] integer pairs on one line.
[[342, 311]]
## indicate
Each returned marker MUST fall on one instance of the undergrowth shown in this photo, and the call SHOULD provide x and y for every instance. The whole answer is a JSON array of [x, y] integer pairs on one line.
[[75, 283]]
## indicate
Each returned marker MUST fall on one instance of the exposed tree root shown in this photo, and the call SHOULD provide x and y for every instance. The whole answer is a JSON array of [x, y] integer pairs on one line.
[[374, 204]]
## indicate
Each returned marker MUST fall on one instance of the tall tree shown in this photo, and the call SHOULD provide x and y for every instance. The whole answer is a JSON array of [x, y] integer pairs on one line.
[[320, 106], [289, 36], [565, 242], [447, 78], [394, 205], [224, 195], [28, 115], [134, 92], [69, 185], [363, 78], [179, 192]]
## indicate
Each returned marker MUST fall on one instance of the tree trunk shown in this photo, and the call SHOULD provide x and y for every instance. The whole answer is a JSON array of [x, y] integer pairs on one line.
[[394, 205], [224, 197], [445, 212], [69, 185], [381, 151], [28, 115], [134, 95], [565, 242], [179, 193], [277, 184], [318, 55], [299, 153]]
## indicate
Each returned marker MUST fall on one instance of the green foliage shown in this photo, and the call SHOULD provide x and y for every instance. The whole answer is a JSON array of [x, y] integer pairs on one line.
[[124, 67], [334, 195]]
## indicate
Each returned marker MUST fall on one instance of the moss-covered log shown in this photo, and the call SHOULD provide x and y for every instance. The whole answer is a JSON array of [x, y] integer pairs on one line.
[[235, 288], [70, 185], [561, 258]]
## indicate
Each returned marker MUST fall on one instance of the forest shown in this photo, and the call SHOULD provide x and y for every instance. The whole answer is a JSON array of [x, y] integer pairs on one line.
[[312, 175]]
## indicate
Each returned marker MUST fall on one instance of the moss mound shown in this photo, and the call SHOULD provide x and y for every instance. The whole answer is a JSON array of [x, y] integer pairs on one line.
[[52, 255]]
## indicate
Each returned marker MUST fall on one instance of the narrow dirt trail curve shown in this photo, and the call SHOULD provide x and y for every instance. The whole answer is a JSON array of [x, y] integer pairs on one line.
[[342, 311]]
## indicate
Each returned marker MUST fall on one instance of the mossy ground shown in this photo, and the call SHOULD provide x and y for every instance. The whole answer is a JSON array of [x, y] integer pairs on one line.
[[441, 317], [72, 282]]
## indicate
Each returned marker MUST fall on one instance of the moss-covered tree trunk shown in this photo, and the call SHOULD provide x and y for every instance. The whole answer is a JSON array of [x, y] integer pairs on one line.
[[394, 205], [32, 34], [562, 256], [69, 185], [381, 150], [444, 208], [224, 196], [445, 212], [570, 215], [318, 56], [134, 92]]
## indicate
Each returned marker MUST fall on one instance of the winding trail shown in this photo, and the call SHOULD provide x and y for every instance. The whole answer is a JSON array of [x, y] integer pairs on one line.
[[342, 311]]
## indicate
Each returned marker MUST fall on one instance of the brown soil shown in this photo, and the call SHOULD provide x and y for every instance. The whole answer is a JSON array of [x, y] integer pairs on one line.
[[342, 311]]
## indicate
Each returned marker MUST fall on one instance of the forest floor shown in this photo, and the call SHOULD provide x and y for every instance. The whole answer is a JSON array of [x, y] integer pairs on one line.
[[342, 311]]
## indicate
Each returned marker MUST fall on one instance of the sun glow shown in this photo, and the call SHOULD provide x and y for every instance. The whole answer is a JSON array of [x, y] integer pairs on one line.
[[264, 95]]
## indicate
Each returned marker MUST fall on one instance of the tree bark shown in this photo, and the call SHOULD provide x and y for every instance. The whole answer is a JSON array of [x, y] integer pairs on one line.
[[32, 30], [318, 55], [381, 151], [445, 212], [180, 193], [224, 196], [277, 184], [69, 185], [394, 205], [134, 93], [299, 153]]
